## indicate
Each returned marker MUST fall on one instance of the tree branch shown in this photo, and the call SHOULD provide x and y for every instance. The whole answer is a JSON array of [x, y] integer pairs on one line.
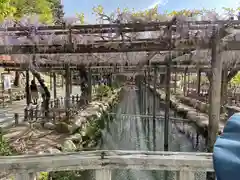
[[232, 73]]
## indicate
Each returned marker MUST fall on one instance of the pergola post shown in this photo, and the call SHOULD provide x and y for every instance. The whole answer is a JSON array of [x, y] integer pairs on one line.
[[89, 85], [214, 95], [215, 92], [103, 174], [185, 82], [168, 61], [145, 93], [198, 81], [67, 90], [149, 83], [167, 105], [51, 80], [54, 86], [70, 81], [154, 106], [175, 81], [188, 82], [27, 88]]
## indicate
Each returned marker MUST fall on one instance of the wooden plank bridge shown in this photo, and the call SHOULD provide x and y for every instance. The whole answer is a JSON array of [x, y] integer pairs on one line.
[[25, 167]]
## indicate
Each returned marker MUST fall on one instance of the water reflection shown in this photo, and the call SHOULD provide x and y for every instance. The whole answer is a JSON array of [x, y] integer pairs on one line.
[[136, 133]]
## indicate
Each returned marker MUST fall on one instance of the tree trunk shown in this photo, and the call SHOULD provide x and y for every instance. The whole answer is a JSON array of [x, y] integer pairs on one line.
[[224, 87], [215, 92], [231, 74], [185, 82], [17, 79], [162, 78], [226, 78], [84, 81], [47, 92], [198, 81]]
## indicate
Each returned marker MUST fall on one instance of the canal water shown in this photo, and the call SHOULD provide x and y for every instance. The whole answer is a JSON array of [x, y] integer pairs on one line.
[[135, 133]]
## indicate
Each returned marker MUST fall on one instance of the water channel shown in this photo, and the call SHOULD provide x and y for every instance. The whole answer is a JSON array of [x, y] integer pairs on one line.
[[136, 134]]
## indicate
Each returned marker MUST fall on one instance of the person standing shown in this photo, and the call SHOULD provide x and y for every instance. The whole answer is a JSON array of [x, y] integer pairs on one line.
[[34, 92], [41, 90]]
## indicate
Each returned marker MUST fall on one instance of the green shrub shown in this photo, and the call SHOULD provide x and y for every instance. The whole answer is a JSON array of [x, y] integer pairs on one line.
[[5, 149], [66, 175], [103, 91], [43, 176]]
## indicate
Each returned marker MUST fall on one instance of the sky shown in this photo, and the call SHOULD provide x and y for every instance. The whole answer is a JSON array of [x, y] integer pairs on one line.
[[71, 7]]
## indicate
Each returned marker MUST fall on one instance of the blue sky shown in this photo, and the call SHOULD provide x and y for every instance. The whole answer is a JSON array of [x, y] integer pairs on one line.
[[71, 7]]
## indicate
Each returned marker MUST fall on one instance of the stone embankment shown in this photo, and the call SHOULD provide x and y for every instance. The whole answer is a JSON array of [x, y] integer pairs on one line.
[[191, 109], [85, 129], [204, 107], [83, 132]]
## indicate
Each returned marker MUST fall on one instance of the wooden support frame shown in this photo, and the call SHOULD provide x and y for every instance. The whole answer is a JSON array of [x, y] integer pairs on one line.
[[95, 28], [215, 91], [26, 166], [104, 48], [67, 90], [27, 88], [185, 82], [167, 94], [199, 74], [128, 27], [86, 48], [103, 174], [89, 85], [54, 85]]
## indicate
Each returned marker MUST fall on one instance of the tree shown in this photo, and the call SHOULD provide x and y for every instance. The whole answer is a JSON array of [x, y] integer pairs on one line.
[[48, 11], [153, 15], [41, 8], [81, 17], [57, 11], [235, 83], [44, 10], [6, 10], [16, 9]]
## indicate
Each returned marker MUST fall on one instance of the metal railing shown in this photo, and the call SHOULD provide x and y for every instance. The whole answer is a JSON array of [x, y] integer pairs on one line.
[[57, 107], [26, 167], [146, 117]]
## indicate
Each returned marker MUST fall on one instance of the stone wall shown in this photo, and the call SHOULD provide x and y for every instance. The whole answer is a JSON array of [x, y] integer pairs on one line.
[[193, 110], [85, 129], [198, 105], [232, 110]]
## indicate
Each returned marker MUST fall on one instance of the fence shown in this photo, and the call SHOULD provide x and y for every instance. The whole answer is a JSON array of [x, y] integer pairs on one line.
[[25, 167], [11, 95], [57, 108]]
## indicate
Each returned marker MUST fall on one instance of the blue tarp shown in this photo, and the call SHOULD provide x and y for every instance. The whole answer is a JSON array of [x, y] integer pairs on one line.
[[226, 153]]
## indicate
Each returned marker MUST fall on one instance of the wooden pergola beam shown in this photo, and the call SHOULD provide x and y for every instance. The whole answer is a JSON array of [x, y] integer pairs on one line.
[[89, 48], [56, 64], [97, 31], [86, 31], [136, 26], [90, 26], [128, 69], [106, 48]]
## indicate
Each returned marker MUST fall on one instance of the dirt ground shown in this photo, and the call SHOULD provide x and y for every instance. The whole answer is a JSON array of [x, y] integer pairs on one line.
[[26, 140]]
